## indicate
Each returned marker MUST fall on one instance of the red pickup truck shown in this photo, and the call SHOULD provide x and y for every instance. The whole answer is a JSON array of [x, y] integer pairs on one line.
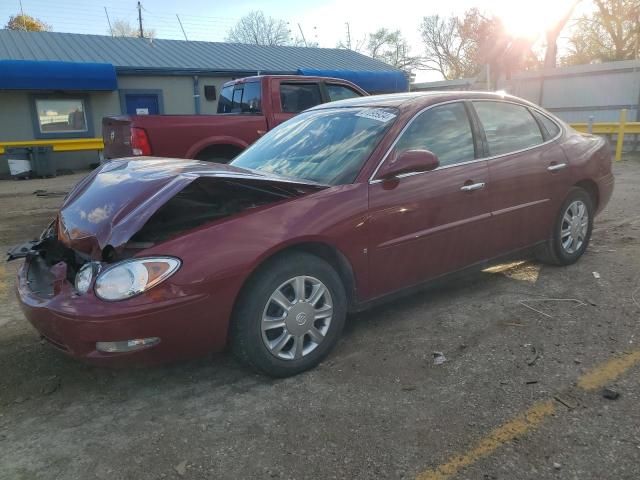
[[247, 108]]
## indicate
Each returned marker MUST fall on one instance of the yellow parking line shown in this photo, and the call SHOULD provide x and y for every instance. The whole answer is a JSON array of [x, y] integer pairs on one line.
[[3, 282], [530, 419], [608, 371], [496, 438]]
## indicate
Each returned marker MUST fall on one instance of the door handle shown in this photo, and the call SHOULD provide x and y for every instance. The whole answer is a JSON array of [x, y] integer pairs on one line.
[[472, 187], [556, 167]]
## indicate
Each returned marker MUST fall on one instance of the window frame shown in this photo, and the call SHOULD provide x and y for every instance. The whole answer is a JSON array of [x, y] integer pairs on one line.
[[477, 131], [474, 132], [241, 86], [35, 119], [543, 127], [528, 108]]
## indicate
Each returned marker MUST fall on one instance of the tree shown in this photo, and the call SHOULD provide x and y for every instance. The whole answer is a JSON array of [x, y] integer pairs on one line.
[[123, 28], [611, 32], [27, 23], [454, 46], [392, 48], [256, 29], [467, 46], [552, 35]]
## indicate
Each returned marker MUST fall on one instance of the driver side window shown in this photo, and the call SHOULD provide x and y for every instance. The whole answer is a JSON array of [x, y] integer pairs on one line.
[[444, 130]]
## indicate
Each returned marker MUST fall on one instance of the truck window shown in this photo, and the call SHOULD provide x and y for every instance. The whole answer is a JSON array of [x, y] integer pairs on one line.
[[296, 97], [225, 102], [340, 92], [240, 98], [251, 98]]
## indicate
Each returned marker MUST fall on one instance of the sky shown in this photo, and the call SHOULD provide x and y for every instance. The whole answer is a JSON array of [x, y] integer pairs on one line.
[[322, 21]]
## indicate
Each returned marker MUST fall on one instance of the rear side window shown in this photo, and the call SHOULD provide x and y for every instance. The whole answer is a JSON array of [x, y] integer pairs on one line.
[[296, 97], [240, 98], [340, 92], [508, 127], [444, 130], [225, 102], [548, 124]]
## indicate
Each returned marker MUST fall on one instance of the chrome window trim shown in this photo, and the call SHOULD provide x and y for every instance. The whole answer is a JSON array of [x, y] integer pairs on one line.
[[561, 131]]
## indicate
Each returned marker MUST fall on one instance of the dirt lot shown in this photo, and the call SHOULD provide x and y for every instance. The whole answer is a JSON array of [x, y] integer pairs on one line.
[[518, 397]]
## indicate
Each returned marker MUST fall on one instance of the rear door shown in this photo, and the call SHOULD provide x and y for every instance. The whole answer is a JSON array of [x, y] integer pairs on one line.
[[426, 224], [527, 174]]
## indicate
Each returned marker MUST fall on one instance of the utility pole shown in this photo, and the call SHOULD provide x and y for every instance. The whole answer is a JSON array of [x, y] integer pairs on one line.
[[24, 20], [141, 32], [183, 32], [302, 33], [108, 21], [348, 36]]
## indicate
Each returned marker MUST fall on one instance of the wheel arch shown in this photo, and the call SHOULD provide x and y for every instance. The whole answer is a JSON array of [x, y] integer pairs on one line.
[[329, 253], [591, 188], [215, 142], [223, 150]]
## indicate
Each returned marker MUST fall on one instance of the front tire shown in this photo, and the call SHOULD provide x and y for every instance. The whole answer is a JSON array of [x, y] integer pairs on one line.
[[289, 315], [572, 229]]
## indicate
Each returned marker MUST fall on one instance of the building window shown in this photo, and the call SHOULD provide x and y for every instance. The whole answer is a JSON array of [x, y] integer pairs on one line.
[[61, 117]]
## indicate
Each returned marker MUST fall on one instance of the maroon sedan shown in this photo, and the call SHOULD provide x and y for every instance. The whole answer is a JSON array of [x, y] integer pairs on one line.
[[344, 205]]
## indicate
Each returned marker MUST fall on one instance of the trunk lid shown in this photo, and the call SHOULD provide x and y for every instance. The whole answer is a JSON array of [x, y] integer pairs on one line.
[[115, 201], [116, 135]]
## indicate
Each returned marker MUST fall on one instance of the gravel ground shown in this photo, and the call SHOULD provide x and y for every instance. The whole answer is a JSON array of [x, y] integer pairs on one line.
[[377, 408]]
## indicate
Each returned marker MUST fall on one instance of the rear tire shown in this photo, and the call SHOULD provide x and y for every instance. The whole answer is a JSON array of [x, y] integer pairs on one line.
[[571, 230], [289, 315]]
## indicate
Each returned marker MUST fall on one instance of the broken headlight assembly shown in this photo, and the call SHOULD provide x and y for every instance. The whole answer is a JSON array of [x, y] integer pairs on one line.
[[128, 278], [85, 276]]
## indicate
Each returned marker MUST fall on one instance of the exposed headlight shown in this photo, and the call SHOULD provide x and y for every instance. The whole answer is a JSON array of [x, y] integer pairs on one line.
[[131, 277], [85, 275]]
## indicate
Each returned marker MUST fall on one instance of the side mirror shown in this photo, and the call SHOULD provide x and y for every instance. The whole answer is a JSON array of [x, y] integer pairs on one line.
[[409, 161]]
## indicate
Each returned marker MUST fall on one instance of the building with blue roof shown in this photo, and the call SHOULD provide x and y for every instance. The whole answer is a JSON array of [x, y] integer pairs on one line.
[[55, 88]]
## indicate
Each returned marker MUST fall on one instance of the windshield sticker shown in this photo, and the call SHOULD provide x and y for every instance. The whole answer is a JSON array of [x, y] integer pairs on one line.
[[377, 114]]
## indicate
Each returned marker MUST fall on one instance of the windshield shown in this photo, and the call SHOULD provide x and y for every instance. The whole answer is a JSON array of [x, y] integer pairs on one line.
[[326, 146]]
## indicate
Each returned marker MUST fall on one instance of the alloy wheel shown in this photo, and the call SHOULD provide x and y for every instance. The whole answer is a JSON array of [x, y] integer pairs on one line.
[[296, 317], [574, 227]]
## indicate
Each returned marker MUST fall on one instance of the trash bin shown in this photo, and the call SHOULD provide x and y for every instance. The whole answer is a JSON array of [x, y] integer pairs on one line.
[[19, 159], [41, 162], [31, 161]]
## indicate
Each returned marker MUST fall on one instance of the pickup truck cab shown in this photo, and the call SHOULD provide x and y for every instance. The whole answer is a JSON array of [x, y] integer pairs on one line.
[[247, 109]]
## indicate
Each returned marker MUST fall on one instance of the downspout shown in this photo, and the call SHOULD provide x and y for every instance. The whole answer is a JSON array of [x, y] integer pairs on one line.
[[196, 94]]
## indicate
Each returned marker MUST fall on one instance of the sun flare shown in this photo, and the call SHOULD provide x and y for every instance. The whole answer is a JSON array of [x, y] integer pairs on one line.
[[531, 19]]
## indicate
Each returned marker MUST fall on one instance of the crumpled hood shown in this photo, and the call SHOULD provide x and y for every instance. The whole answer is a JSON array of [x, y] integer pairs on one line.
[[114, 201]]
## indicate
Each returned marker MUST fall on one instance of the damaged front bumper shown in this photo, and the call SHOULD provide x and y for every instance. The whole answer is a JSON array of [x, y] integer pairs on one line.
[[79, 325]]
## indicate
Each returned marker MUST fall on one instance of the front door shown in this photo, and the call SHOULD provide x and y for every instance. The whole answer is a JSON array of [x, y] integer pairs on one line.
[[142, 104], [427, 224]]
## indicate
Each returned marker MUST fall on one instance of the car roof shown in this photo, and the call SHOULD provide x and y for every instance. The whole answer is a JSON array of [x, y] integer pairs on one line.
[[411, 100]]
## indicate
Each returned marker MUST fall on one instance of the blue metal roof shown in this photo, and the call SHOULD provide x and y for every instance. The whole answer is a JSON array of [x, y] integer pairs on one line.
[[373, 82], [175, 56], [29, 75]]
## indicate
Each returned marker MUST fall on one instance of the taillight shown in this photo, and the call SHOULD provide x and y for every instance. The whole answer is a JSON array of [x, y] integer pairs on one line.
[[140, 142]]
